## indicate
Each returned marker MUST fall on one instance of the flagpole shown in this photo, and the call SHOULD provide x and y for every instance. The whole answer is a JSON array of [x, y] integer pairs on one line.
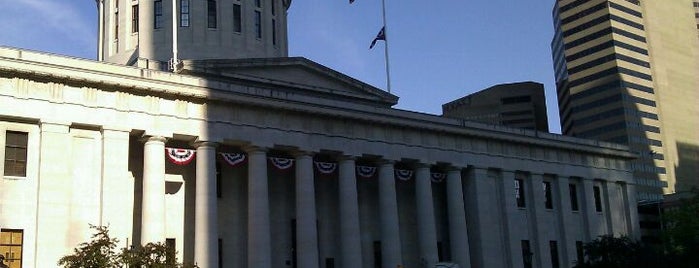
[[385, 32]]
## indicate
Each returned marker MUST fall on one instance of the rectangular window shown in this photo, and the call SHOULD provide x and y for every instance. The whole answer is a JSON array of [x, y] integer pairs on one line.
[[11, 247], [526, 254], [116, 20], [274, 32], [237, 19], [134, 19], [16, 153], [377, 254], [171, 247], [158, 14], [220, 253], [579, 251], [553, 245], [598, 198], [184, 13], [258, 24], [258, 3], [211, 13], [271, 6], [573, 197], [548, 198], [519, 193]]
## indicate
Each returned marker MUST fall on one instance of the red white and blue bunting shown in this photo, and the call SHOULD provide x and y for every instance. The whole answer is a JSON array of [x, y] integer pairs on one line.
[[438, 177], [404, 174], [234, 159], [366, 171], [180, 156], [326, 168], [282, 163]]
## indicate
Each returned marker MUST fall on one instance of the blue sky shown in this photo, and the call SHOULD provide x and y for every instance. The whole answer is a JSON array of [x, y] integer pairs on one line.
[[438, 50]]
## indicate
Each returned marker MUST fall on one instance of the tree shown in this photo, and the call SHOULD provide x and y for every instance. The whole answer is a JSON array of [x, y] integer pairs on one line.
[[101, 253], [98, 253], [681, 231]]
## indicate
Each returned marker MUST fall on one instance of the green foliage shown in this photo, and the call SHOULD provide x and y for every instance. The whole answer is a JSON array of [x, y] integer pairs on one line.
[[681, 232], [98, 253], [101, 253]]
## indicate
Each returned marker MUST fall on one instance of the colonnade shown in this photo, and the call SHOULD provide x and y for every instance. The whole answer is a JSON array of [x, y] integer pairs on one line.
[[259, 244]]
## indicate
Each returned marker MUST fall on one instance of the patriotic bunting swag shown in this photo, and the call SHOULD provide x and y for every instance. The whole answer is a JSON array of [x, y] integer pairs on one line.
[[234, 159], [366, 171], [326, 168], [179, 156], [282, 163], [404, 174], [438, 177]]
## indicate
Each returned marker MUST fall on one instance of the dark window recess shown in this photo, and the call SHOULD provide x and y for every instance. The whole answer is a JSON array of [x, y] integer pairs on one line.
[[573, 190], [440, 251], [377, 254], [294, 258], [211, 13], [218, 180], [526, 254], [548, 197], [134, 19], [171, 247], [579, 251], [237, 19], [329, 262], [158, 14], [220, 253], [519, 193], [274, 32], [598, 198], [16, 153], [553, 246], [514, 113], [516, 99], [258, 24]]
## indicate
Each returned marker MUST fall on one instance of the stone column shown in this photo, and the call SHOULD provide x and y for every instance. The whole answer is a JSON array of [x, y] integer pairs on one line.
[[565, 220], [426, 226], [511, 232], [206, 207], [350, 236], [117, 183], [259, 238], [540, 243], [458, 233], [388, 210], [153, 209], [306, 228]]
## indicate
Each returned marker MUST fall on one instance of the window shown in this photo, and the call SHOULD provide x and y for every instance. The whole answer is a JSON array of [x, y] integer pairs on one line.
[[271, 6], [211, 13], [258, 3], [116, 20], [579, 251], [377, 254], [237, 19], [572, 188], [220, 253], [553, 246], [274, 32], [158, 14], [11, 247], [548, 199], [134, 19], [526, 254], [184, 13], [258, 24], [16, 153], [598, 198], [519, 193], [218, 180], [171, 246]]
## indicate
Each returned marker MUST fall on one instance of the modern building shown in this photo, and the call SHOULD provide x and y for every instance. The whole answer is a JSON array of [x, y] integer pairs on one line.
[[520, 105], [626, 72], [282, 162]]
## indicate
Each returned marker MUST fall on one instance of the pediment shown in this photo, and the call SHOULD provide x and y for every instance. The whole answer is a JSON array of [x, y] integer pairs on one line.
[[301, 75]]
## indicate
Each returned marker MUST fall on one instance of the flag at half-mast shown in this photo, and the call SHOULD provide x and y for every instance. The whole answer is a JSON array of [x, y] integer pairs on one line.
[[380, 36]]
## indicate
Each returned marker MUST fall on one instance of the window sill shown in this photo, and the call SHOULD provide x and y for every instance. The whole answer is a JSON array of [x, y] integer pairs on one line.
[[14, 178]]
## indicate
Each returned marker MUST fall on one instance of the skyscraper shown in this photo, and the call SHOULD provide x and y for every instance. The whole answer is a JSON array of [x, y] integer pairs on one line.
[[626, 72]]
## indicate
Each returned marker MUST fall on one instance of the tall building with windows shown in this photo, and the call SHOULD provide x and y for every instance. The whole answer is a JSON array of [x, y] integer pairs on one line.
[[627, 71]]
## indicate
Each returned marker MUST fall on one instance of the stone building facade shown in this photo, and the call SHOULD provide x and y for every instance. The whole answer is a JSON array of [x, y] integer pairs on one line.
[[282, 162]]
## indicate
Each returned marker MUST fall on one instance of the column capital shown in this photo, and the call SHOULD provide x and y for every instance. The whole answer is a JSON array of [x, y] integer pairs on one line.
[[382, 162], [254, 149], [301, 153], [199, 143], [346, 157], [148, 138]]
